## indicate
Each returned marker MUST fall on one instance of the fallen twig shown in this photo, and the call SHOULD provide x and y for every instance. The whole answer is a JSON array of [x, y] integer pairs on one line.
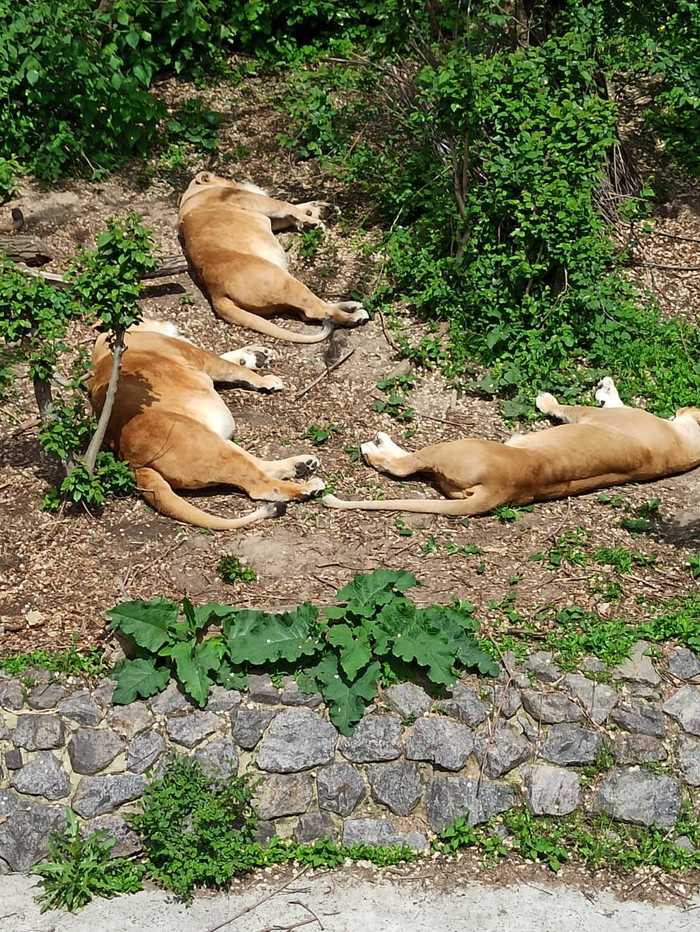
[[308, 910], [683, 239], [263, 899], [440, 420], [324, 374], [294, 925], [173, 265]]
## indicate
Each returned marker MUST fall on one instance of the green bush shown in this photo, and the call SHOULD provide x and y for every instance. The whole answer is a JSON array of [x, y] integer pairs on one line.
[[344, 655], [76, 79], [487, 167], [196, 831], [79, 868]]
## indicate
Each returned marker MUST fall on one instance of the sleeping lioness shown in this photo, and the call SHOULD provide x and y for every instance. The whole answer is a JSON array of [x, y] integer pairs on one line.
[[594, 448], [227, 232], [173, 429]]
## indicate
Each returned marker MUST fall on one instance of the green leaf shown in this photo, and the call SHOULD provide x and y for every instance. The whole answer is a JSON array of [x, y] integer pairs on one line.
[[32, 76], [233, 678], [139, 678], [209, 654], [355, 652], [209, 612], [346, 702], [150, 624], [368, 591], [191, 674], [429, 650], [258, 637], [394, 618], [471, 655]]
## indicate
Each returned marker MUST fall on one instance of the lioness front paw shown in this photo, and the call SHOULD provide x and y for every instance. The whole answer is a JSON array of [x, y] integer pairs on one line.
[[257, 357], [369, 450]]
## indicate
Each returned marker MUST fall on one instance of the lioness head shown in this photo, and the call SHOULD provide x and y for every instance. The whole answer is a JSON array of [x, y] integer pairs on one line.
[[202, 181]]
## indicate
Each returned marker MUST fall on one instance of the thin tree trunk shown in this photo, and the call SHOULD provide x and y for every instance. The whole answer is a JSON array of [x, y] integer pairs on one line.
[[98, 437], [44, 399]]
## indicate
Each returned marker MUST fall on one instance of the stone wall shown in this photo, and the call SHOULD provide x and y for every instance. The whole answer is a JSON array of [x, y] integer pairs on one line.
[[411, 767]]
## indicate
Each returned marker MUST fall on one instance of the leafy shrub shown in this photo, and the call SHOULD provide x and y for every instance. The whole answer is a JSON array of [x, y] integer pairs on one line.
[[9, 171], [79, 868], [72, 102], [341, 654], [487, 164], [198, 830], [76, 78]]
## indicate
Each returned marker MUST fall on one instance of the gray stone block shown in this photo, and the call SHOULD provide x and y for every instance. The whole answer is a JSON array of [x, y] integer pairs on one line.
[[376, 738], [640, 797], [42, 775], [283, 794], [296, 740], [396, 785], [340, 788], [445, 743], [552, 790], [451, 798], [92, 749]]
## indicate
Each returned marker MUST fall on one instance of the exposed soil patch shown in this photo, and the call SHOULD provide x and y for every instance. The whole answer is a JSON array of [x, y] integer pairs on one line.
[[71, 569]]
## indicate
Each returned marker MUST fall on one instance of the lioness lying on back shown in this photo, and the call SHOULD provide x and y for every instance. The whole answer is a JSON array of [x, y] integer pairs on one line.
[[172, 428], [594, 448], [226, 230]]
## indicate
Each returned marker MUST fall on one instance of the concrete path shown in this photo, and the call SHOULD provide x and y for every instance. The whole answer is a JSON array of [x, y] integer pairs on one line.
[[335, 902]]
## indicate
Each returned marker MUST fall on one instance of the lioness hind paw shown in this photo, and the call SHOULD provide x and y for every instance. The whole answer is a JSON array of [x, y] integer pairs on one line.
[[545, 402]]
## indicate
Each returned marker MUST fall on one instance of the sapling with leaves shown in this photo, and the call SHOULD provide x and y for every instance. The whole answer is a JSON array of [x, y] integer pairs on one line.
[[107, 283], [103, 289]]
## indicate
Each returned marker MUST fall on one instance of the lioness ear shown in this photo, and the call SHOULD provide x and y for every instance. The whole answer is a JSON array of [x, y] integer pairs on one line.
[[203, 178]]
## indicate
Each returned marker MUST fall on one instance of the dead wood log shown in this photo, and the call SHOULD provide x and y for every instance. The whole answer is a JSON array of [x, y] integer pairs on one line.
[[25, 249]]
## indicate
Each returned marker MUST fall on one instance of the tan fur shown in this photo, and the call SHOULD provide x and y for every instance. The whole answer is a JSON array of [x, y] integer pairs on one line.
[[594, 448], [227, 232], [173, 429]]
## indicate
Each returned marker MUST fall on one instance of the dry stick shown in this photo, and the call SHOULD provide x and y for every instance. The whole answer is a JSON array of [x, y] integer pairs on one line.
[[294, 925], [44, 398], [323, 375], [683, 239], [173, 265], [440, 420], [96, 443], [263, 899], [308, 910], [388, 339], [667, 268]]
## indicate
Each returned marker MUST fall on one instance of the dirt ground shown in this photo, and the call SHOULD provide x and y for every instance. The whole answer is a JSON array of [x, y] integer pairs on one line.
[[59, 575]]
